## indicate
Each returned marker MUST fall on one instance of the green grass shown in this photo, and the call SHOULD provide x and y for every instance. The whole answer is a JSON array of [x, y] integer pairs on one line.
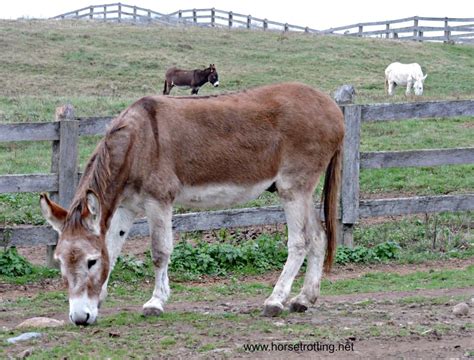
[[382, 282]]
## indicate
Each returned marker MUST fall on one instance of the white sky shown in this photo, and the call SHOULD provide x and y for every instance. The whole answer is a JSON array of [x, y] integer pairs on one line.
[[315, 14]]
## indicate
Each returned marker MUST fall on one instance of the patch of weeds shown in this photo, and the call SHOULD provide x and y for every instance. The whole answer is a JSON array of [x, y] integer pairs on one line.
[[130, 269], [361, 254], [13, 264], [250, 257], [29, 273]]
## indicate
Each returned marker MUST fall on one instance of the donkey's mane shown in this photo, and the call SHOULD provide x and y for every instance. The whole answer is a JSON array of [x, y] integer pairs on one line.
[[96, 177]]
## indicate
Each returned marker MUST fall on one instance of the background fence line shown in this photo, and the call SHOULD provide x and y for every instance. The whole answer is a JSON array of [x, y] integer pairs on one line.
[[66, 130], [417, 28]]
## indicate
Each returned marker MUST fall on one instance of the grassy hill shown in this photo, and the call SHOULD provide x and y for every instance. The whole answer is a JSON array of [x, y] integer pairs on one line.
[[101, 68]]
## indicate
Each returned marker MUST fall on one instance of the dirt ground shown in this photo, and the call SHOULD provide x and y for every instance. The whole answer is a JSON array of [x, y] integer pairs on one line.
[[384, 325]]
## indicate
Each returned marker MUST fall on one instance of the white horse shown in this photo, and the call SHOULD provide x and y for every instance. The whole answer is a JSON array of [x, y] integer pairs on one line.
[[410, 75]]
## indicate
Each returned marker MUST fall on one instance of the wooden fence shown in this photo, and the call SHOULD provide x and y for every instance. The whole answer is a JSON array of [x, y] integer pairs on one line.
[[65, 132], [415, 28], [198, 17], [412, 28]]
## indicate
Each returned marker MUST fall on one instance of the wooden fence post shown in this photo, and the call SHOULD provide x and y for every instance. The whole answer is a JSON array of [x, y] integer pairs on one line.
[[134, 13], [350, 174], [265, 24], [213, 17], [361, 30], [387, 28], [91, 12], [249, 21], [415, 25], [64, 163], [119, 12], [230, 19], [447, 33], [105, 12], [195, 20]]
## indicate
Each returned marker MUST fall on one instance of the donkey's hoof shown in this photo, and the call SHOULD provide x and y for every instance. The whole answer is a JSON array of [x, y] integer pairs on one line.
[[298, 307], [152, 311], [272, 310]]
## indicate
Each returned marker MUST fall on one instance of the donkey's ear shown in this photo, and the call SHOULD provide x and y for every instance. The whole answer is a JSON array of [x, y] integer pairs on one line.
[[424, 77], [93, 215], [52, 212]]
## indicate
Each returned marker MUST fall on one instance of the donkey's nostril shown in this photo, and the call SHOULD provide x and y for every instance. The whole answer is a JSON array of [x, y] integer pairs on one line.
[[81, 321]]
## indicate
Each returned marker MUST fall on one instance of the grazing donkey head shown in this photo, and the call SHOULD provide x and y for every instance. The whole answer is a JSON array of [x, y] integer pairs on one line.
[[81, 253], [418, 85]]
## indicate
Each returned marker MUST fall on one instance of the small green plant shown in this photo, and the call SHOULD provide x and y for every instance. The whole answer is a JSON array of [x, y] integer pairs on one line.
[[252, 256], [131, 268], [360, 254], [13, 264]]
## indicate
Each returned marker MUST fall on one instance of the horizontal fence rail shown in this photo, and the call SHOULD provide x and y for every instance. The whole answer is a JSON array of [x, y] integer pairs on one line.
[[66, 131], [415, 28], [28, 235]]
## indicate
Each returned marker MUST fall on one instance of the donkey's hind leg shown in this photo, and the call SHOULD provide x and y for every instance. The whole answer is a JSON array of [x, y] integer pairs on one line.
[[316, 246], [159, 218], [297, 216]]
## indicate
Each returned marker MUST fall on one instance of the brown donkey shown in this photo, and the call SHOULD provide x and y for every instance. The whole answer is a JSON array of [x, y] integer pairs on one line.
[[210, 151], [190, 79]]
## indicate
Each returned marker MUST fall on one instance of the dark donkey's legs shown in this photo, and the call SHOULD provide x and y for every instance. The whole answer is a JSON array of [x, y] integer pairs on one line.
[[194, 90]]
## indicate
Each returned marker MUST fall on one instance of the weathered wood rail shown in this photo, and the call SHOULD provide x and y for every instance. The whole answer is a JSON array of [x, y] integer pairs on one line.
[[416, 28], [65, 133]]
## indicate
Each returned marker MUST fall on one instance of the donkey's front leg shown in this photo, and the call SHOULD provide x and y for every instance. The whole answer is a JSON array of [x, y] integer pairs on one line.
[[409, 86], [159, 219], [120, 224]]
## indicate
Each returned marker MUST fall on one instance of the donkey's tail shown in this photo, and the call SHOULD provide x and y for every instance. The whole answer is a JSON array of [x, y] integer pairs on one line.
[[330, 201], [165, 89]]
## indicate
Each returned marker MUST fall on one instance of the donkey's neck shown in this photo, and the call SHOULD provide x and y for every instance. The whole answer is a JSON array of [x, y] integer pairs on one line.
[[107, 173], [201, 76]]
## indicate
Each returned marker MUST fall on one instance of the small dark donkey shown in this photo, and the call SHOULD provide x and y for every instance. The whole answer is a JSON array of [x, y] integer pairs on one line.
[[193, 79]]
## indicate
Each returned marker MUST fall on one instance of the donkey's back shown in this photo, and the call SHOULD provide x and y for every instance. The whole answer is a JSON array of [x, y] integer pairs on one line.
[[243, 138]]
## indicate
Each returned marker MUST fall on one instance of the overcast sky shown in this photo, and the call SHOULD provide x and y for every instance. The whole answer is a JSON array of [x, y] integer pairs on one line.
[[315, 14]]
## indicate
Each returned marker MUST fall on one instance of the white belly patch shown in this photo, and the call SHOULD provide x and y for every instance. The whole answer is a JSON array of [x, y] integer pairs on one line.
[[220, 195]]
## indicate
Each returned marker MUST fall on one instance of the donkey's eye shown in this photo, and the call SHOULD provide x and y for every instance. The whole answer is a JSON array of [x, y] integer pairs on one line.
[[91, 263]]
